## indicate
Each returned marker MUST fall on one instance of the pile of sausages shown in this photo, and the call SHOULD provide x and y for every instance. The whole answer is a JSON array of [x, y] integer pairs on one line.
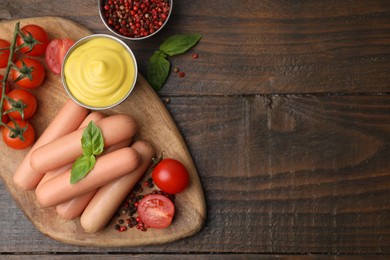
[[95, 199]]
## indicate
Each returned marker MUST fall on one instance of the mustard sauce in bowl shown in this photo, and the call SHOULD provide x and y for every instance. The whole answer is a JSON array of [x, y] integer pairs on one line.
[[99, 71]]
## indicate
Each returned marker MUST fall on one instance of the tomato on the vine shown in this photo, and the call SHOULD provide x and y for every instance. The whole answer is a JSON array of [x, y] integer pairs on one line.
[[156, 211], [28, 68], [170, 176], [4, 54], [34, 34], [21, 101], [19, 136], [55, 53]]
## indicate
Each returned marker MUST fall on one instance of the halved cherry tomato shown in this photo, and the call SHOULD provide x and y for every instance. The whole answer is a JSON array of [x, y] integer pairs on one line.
[[55, 53], [156, 211], [37, 33], [32, 67], [171, 176], [12, 138], [4, 54], [23, 101]]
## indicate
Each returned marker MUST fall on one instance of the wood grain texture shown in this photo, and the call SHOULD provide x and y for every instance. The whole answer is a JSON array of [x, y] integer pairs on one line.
[[155, 126], [279, 177], [262, 47], [196, 257], [286, 115]]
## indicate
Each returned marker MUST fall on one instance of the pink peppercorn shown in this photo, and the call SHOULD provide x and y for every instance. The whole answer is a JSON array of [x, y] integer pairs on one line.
[[147, 16], [122, 229]]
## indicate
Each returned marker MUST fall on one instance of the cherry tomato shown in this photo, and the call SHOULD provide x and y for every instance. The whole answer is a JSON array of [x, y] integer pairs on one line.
[[4, 118], [24, 101], [171, 176], [156, 211], [12, 137], [31, 66], [39, 34], [4, 54], [55, 53]]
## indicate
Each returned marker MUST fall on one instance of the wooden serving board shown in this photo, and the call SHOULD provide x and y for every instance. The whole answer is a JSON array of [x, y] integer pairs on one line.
[[156, 127]]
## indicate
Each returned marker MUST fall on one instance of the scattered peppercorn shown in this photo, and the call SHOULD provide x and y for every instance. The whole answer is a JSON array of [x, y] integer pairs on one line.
[[134, 18], [122, 228], [127, 215], [195, 55], [176, 69], [181, 74]]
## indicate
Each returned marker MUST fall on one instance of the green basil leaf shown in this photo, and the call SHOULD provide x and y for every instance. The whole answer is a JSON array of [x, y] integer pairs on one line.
[[178, 44], [92, 141], [92, 144], [81, 167], [158, 70]]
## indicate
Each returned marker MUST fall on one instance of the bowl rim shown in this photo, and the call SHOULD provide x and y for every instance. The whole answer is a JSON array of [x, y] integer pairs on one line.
[[100, 7], [81, 42]]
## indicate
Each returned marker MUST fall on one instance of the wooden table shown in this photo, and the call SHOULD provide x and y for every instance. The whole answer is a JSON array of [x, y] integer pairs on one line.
[[286, 113]]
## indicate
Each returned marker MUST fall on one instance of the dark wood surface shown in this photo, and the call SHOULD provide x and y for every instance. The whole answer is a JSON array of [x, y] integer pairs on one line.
[[286, 113]]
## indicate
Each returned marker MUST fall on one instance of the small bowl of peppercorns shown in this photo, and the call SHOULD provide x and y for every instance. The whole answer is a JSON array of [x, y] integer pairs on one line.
[[135, 19]]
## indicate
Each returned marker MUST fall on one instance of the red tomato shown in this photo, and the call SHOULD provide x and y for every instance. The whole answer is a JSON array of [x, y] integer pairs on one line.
[[55, 53], [4, 118], [156, 211], [24, 101], [171, 176], [4, 54], [33, 34], [31, 66], [12, 138]]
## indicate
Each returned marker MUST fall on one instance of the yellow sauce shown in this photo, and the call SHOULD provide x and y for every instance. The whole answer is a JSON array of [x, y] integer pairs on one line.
[[100, 72]]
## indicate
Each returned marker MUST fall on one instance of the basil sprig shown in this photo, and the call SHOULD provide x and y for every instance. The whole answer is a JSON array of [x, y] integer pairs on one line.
[[92, 144], [159, 66]]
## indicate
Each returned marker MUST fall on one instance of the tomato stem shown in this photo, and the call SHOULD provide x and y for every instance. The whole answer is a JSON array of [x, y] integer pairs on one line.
[[28, 40], [17, 131], [154, 162]]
